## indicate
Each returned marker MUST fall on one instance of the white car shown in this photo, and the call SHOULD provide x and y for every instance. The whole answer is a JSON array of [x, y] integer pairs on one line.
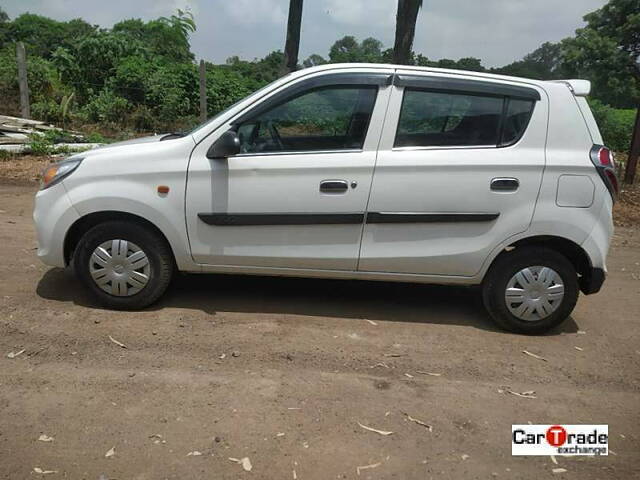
[[353, 171]]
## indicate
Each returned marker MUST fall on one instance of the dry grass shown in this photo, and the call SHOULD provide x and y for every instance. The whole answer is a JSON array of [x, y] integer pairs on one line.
[[26, 169], [626, 211], [23, 169]]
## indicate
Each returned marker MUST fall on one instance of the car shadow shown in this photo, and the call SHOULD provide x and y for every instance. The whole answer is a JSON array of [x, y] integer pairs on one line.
[[380, 301]]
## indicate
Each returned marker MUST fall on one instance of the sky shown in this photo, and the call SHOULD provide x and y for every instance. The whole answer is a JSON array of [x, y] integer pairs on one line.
[[496, 31]]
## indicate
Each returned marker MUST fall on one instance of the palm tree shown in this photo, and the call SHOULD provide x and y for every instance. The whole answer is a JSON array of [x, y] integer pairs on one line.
[[405, 30], [292, 44]]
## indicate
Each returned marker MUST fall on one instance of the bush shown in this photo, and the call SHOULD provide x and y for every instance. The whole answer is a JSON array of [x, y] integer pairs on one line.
[[106, 107], [40, 145], [95, 137], [173, 93], [615, 124], [225, 87]]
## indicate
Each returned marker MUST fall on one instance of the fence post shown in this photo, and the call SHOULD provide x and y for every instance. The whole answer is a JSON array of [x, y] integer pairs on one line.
[[203, 92], [634, 151], [25, 108]]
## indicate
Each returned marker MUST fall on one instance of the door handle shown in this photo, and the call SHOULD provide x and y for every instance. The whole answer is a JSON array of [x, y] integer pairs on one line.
[[505, 184], [334, 186]]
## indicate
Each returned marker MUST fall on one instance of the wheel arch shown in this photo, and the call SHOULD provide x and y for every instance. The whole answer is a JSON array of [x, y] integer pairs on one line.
[[86, 222], [573, 252]]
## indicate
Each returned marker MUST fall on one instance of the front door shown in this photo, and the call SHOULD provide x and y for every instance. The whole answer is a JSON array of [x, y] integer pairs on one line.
[[458, 172], [295, 196]]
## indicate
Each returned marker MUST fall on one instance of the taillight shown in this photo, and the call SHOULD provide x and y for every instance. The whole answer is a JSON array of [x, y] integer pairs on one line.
[[605, 156], [602, 158]]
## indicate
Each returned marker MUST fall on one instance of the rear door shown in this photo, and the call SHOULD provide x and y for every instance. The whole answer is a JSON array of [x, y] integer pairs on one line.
[[458, 172], [296, 195]]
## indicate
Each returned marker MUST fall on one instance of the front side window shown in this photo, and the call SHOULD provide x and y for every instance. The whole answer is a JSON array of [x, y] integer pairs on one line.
[[432, 119], [327, 118]]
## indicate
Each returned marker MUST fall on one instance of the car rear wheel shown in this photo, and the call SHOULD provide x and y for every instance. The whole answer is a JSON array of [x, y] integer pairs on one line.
[[530, 290], [124, 265]]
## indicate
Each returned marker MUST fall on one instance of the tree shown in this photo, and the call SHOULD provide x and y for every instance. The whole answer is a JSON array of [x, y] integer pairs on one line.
[[292, 44], [41, 35], [470, 63], [607, 51], [313, 60], [163, 37], [182, 22], [371, 50], [547, 62], [345, 50], [406, 17], [4, 24], [349, 50]]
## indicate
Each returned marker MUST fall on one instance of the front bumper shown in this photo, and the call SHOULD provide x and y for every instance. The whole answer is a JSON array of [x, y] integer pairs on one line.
[[53, 215]]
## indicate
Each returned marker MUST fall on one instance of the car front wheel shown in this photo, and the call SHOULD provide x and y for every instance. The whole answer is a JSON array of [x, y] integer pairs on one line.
[[124, 265]]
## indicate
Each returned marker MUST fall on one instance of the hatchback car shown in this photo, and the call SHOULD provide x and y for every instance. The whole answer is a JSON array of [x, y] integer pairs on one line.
[[353, 171]]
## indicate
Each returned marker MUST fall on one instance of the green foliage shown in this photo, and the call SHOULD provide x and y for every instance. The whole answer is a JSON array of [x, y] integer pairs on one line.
[[106, 107], [38, 145], [95, 137], [607, 51], [164, 38], [182, 22], [140, 75], [43, 35], [544, 63], [225, 86], [173, 92], [615, 125], [313, 60], [43, 143], [349, 50]]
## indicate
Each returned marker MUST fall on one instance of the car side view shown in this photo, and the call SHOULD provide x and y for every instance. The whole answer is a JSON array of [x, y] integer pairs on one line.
[[353, 171]]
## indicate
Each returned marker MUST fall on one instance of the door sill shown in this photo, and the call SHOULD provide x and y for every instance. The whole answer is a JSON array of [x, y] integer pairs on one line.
[[340, 274]]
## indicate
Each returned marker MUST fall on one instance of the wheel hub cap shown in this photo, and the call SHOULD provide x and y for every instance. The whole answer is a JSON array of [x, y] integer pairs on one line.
[[534, 293], [120, 267]]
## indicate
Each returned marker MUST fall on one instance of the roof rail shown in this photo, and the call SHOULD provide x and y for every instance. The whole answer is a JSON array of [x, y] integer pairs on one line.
[[580, 88]]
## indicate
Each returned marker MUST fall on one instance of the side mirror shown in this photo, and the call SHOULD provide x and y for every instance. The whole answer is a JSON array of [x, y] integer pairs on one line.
[[226, 146]]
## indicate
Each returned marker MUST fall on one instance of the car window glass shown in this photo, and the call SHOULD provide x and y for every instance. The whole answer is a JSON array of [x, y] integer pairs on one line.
[[448, 119], [516, 120], [328, 118]]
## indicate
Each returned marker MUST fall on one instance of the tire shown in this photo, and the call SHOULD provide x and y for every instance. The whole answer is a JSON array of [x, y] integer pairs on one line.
[[129, 292], [504, 270]]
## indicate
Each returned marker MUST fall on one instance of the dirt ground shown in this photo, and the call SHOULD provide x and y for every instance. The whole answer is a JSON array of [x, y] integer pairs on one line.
[[282, 371]]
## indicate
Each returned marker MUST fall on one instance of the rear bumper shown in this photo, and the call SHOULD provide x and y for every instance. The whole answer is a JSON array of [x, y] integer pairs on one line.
[[592, 281]]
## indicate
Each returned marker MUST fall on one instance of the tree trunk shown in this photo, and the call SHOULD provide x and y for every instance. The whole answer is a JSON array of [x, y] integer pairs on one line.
[[292, 45], [634, 151], [405, 30]]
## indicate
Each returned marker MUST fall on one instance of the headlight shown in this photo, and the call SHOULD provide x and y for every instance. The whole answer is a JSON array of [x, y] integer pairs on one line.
[[56, 172]]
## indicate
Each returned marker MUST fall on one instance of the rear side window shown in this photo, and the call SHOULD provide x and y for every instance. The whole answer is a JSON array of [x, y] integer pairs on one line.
[[516, 120], [445, 119], [327, 118]]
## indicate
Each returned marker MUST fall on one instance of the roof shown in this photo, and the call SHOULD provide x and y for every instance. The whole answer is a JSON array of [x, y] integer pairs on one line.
[[578, 87]]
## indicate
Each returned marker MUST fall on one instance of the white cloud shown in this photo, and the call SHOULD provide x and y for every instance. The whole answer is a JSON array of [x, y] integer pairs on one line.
[[169, 7], [250, 12], [362, 12]]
